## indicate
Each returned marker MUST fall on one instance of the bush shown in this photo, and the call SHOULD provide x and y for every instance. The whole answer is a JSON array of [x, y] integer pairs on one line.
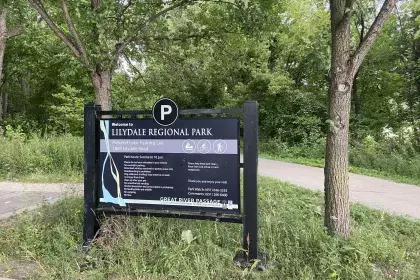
[[67, 112], [292, 116], [393, 156], [275, 147]]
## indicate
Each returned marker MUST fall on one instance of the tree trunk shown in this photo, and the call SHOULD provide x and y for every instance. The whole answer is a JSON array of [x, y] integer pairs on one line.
[[272, 59], [336, 184], [24, 82], [3, 39], [343, 70], [5, 103], [356, 97], [101, 81], [1, 106], [356, 105]]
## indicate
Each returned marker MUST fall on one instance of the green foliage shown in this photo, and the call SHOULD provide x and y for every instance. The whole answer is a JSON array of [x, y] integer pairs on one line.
[[277, 148], [292, 237], [67, 114], [391, 156], [224, 63], [218, 54], [36, 68], [21, 155], [388, 82], [293, 117], [214, 54]]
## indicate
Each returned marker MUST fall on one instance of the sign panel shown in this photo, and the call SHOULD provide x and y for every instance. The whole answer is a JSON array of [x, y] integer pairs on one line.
[[192, 164]]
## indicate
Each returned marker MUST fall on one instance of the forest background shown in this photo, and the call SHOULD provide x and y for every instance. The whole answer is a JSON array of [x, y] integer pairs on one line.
[[212, 54]]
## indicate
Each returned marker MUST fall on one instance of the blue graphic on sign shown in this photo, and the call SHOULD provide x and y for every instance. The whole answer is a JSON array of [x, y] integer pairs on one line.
[[107, 197]]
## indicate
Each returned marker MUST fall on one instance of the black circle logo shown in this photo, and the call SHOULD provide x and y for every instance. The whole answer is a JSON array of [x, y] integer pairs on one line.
[[165, 111]]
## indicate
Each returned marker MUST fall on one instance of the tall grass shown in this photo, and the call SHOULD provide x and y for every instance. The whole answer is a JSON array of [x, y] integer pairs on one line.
[[292, 237], [392, 157], [22, 155]]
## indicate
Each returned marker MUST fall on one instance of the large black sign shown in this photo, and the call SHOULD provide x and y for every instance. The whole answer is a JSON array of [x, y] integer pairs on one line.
[[167, 166], [192, 164]]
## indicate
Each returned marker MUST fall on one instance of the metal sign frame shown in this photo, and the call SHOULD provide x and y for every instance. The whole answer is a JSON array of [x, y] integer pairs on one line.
[[249, 216]]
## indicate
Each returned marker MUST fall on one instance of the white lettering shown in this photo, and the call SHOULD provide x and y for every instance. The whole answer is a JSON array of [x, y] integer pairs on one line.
[[165, 110]]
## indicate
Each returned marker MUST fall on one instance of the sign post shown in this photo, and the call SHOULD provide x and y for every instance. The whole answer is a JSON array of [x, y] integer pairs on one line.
[[90, 225], [250, 232], [167, 166]]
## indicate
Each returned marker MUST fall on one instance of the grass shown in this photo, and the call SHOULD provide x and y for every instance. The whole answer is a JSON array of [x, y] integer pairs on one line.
[[41, 159], [291, 235]]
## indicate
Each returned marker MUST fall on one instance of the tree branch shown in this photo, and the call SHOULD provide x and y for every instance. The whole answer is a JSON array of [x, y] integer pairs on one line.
[[181, 38], [73, 32], [371, 36], [348, 12], [126, 7], [221, 2], [121, 46], [127, 59], [37, 5], [14, 32]]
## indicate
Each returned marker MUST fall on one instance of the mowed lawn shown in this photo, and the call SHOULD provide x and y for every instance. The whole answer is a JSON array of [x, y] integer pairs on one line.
[[46, 243]]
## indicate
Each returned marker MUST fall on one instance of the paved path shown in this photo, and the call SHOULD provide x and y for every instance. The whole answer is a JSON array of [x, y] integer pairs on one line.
[[17, 197], [381, 194]]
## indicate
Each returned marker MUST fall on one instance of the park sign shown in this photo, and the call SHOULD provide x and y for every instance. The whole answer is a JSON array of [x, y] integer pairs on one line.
[[167, 162], [193, 164]]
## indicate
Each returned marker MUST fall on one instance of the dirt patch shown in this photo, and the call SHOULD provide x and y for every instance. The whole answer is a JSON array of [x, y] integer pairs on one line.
[[20, 270], [385, 271]]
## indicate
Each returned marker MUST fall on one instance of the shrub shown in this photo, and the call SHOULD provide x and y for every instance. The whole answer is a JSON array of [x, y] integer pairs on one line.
[[392, 156], [275, 147]]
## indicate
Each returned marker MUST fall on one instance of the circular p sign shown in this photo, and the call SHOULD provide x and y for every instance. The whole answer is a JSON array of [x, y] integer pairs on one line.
[[165, 111]]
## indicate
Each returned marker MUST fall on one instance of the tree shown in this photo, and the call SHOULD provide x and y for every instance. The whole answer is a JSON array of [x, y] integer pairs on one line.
[[97, 33], [3, 39], [5, 34], [344, 67]]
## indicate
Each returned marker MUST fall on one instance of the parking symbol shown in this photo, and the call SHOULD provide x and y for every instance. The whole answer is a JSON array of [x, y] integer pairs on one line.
[[165, 111]]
